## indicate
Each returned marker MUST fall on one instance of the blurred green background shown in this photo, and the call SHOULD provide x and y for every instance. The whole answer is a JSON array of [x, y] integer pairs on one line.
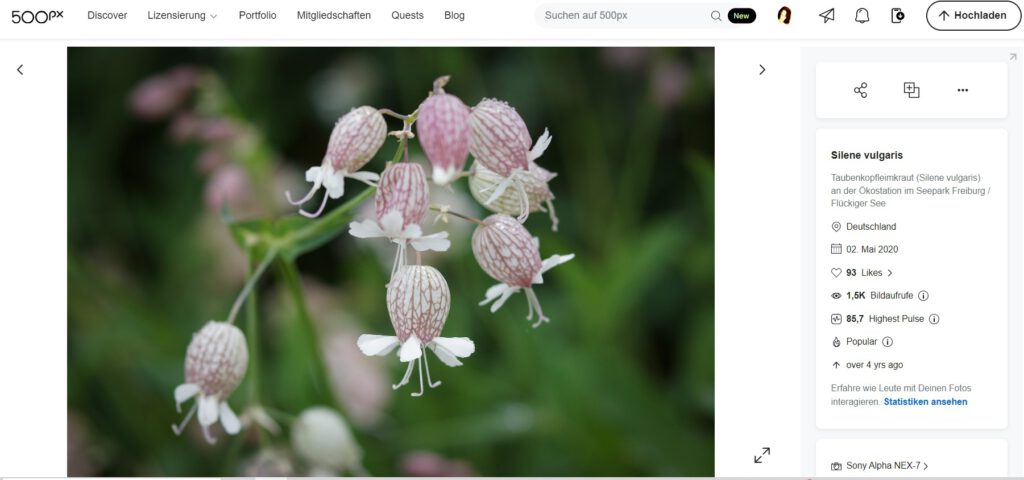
[[166, 144]]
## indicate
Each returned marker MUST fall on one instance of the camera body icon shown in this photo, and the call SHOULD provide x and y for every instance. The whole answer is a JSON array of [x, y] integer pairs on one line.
[[897, 15], [837, 467]]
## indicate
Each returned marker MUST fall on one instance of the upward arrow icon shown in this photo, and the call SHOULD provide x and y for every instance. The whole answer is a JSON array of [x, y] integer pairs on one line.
[[944, 14]]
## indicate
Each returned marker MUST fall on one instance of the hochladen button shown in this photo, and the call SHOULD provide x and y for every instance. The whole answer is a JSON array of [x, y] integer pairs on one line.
[[1001, 15], [742, 15]]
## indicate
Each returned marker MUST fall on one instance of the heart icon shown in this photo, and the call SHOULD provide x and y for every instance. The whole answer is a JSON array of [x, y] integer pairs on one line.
[[836, 272]]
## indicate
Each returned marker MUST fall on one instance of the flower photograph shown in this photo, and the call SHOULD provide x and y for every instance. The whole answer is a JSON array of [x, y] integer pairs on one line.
[[409, 261]]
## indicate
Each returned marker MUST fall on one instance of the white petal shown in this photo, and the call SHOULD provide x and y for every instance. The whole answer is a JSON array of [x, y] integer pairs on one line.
[[502, 186], [412, 231], [208, 410], [444, 176], [461, 347], [445, 356], [391, 223], [437, 242], [229, 420], [365, 229], [184, 392], [369, 178], [334, 183], [551, 262], [313, 174], [410, 350], [379, 345], [501, 292], [540, 146]]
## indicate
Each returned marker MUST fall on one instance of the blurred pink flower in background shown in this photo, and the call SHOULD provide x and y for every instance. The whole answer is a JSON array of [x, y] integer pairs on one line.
[[218, 130], [360, 383], [670, 82], [210, 159], [429, 464], [161, 95], [625, 58], [184, 126], [229, 185]]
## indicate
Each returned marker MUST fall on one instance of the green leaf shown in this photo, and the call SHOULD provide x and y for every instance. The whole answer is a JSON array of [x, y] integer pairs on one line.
[[295, 235]]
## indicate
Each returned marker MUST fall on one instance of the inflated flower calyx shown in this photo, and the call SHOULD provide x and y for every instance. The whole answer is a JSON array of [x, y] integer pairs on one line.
[[401, 202], [506, 251], [418, 303], [483, 181], [215, 363], [442, 127], [403, 188], [355, 140], [501, 142], [500, 139]]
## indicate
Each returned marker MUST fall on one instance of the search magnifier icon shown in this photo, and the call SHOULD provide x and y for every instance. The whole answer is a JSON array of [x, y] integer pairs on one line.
[[716, 15]]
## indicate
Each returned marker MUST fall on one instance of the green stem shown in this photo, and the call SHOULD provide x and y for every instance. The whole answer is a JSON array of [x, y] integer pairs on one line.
[[251, 282], [399, 151], [290, 274], [252, 329]]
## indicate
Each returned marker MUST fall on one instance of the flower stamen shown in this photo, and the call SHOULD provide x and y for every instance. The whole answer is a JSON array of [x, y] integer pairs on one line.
[[181, 426], [320, 210], [405, 378], [420, 363], [309, 195], [431, 383], [534, 304]]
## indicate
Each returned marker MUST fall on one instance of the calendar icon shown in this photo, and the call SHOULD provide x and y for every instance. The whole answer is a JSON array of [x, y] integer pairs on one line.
[[837, 249]]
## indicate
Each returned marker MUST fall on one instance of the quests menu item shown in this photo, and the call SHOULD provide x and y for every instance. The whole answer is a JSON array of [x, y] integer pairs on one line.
[[911, 258]]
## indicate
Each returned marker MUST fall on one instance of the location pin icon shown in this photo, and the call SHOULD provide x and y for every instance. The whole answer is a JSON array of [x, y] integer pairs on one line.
[[836, 226]]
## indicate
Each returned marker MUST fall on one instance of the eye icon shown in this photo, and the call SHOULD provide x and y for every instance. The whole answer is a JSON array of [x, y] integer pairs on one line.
[[837, 296]]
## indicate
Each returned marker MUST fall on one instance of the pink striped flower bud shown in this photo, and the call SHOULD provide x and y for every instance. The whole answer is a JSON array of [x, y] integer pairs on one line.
[[418, 302], [483, 181], [403, 188], [215, 364], [442, 126], [402, 200], [508, 253], [355, 140]]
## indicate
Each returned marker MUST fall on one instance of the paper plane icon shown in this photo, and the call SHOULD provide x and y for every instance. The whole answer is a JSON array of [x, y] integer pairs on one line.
[[827, 15]]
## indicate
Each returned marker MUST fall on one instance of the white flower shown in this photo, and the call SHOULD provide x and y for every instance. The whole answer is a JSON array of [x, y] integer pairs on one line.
[[321, 437], [484, 185], [354, 141], [390, 227], [401, 203], [503, 291], [506, 251], [418, 303], [215, 364]]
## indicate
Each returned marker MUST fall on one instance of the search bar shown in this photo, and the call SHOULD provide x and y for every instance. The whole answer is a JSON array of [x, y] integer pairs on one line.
[[633, 15]]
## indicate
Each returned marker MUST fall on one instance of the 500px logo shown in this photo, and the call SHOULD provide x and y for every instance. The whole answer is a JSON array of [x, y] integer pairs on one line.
[[39, 16]]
